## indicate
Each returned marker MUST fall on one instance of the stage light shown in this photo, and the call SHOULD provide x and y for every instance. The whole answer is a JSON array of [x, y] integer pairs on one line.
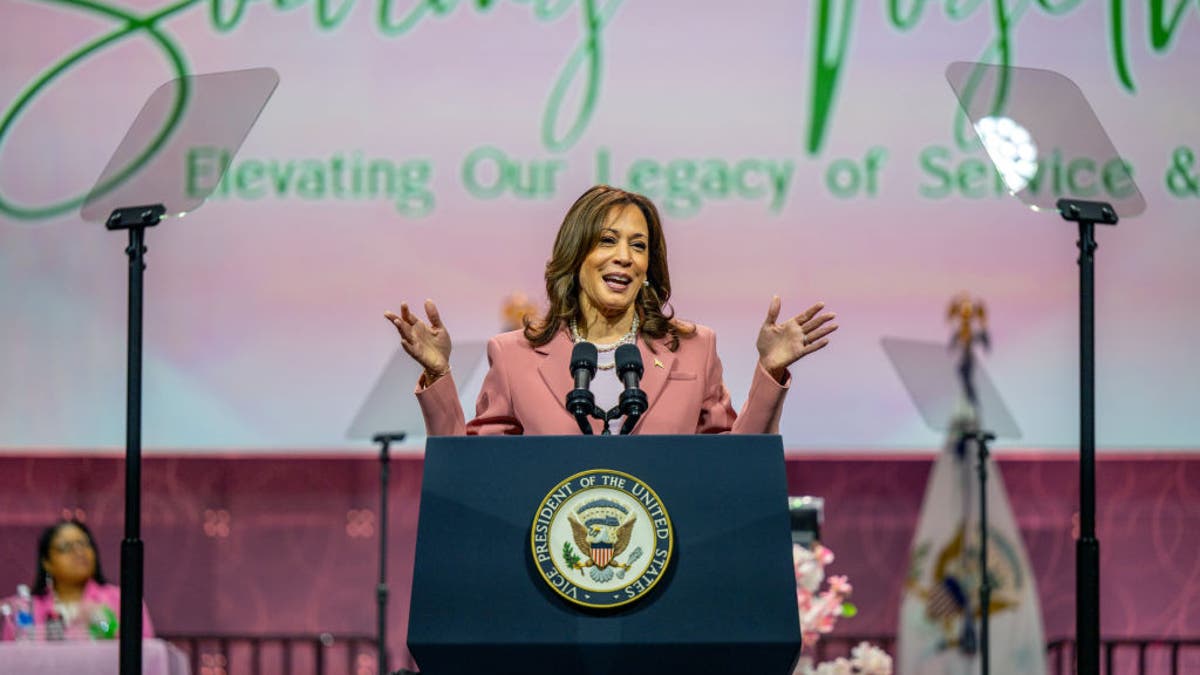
[[1011, 148]]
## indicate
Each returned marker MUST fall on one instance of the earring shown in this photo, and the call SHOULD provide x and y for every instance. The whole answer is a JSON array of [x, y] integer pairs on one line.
[[646, 283]]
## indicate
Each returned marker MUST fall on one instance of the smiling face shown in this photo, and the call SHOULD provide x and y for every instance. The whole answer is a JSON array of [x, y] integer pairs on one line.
[[71, 559], [613, 272]]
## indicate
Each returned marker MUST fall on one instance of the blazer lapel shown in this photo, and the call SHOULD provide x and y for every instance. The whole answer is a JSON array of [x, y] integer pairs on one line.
[[656, 366], [555, 368]]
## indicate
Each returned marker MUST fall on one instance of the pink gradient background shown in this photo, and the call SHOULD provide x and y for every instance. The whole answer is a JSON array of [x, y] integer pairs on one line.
[[263, 328]]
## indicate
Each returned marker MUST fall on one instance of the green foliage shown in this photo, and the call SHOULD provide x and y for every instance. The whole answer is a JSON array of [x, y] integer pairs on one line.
[[568, 554]]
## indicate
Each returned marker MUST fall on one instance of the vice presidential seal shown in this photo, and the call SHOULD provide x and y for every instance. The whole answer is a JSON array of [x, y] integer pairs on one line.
[[602, 538]]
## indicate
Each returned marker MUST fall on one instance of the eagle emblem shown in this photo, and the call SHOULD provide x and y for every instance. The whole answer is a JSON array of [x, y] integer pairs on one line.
[[951, 586], [601, 538], [602, 529]]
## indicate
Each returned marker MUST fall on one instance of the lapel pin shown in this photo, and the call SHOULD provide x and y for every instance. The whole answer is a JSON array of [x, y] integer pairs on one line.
[[658, 364]]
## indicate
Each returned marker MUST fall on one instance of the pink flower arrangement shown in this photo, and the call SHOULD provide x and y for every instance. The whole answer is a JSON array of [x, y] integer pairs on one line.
[[820, 610]]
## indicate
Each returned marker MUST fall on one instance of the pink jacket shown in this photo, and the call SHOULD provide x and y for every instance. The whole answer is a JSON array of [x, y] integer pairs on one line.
[[94, 594], [526, 387]]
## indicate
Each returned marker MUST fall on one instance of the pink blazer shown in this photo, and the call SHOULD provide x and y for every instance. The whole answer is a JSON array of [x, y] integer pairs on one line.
[[526, 387]]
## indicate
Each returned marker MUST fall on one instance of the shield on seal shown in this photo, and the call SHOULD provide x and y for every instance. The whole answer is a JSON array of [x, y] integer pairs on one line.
[[602, 554]]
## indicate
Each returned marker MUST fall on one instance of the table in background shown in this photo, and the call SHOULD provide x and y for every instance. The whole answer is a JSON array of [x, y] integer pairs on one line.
[[80, 657]]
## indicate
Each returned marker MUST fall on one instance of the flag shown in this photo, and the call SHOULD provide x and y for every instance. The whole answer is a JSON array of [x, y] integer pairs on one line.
[[939, 607]]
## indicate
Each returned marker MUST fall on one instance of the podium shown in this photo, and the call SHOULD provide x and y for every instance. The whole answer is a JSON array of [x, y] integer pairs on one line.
[[725, 602]]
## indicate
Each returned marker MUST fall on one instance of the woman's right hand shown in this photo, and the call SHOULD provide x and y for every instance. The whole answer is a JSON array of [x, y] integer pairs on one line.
[[427, 343]]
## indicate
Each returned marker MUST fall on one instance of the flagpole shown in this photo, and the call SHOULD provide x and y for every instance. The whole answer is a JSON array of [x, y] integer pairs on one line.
[[982, 438]]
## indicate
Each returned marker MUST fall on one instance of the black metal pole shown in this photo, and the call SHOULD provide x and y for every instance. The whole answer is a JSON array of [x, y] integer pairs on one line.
[[381, 591], [1087, 548], [130, 660], [985, 582], [135, 219]]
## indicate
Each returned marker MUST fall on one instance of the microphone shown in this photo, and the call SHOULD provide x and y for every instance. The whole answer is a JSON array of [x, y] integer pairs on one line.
[[580, 400], [633, 400]]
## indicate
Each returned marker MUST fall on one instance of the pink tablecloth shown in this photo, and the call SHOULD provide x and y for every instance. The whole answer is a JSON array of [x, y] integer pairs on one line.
[[78, 657]]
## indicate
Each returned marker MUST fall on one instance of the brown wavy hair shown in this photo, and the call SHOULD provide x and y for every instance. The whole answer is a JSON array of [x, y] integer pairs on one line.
[[577, 236]]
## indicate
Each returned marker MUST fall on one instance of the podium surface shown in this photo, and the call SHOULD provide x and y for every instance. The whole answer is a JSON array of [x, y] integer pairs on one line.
[[726, 601]]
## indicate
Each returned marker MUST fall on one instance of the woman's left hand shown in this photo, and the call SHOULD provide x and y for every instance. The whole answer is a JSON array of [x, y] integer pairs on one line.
[[782, 344]]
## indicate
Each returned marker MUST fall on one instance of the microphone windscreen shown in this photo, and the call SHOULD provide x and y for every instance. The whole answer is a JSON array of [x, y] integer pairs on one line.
[[628, 358], [584, 355]]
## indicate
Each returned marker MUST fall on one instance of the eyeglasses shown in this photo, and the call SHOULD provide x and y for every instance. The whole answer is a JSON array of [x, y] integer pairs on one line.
[[65, 547]]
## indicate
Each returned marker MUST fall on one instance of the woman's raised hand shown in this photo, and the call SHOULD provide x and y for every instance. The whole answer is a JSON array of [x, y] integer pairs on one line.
[[782, 344], [427, 343]]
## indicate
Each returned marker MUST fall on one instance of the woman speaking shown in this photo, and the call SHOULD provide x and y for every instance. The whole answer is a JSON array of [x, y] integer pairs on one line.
[[608, 284]]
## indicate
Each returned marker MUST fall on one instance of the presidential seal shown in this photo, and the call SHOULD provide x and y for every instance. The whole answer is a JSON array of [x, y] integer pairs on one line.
[[602, 538]]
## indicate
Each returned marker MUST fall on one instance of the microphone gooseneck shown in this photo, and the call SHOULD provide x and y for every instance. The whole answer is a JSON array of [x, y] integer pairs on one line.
[[580, 400], [633, 400]]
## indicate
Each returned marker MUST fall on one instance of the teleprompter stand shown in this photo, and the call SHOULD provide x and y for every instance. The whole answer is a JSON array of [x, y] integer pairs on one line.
[[215, 112], [1021, 116], [390, 405], [955, 395]]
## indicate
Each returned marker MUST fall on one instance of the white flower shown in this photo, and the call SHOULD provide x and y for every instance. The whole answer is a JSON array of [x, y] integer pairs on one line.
[[838, 667], [809, 570], [871, 660]]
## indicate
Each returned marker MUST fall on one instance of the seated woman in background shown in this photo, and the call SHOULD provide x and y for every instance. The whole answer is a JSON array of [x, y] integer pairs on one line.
[[70, 593]]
